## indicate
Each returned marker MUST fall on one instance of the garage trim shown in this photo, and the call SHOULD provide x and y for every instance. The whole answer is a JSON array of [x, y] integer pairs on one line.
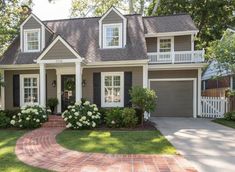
[[182, 79]]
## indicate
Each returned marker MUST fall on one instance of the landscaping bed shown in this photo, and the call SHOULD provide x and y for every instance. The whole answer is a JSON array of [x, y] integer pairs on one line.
[[116, 142], [8, 159], [227, 123]]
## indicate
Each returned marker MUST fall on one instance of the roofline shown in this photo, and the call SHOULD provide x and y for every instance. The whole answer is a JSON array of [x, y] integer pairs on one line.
[[168, 15], [58, 38], [112, 9], [172, 33]]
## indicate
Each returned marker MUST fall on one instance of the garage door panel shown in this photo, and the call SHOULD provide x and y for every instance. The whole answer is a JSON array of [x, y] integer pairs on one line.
[[175, 98]]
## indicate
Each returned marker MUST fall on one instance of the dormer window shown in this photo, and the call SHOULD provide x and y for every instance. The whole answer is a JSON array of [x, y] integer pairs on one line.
[[32, 40], [112, 35]]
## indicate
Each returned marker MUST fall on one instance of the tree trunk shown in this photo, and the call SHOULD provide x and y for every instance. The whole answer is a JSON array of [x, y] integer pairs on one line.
[[141, 7], [155, 7]]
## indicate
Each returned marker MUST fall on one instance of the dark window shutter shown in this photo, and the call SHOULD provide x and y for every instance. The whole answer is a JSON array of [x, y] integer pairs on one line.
[[16, 90], [97, 89], [127, 87]]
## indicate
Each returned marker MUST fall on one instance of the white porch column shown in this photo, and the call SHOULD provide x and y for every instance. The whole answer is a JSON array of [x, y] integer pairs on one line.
[[145, 76], [42, 85], [199, 80], [78, 78]]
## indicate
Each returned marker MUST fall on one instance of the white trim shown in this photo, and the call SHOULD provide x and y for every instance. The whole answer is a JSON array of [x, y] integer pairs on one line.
[[171, 33], [120, 34], [59, 38], [121, 103], [153, 67], [78, 79], [21, 38], [36, 18], [22, 76], [117, 63], [3, 92], [183, 79], [124, 26], [42, 81], [162, 38], [192, 42], [199, 87], [145, 76], [59, 61], [43, 37], [26, 31]]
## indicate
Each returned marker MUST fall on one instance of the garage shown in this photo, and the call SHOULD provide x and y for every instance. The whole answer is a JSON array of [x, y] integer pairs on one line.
[[176, 97]]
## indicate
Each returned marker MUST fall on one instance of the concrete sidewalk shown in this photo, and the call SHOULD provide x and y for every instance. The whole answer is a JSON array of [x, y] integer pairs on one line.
[[209, 146]]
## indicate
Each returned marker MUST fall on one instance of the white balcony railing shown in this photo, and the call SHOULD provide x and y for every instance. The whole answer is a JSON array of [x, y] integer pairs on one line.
[[177, 57]]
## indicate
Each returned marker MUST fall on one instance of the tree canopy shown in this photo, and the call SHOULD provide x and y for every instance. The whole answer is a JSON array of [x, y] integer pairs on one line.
[[12, 13], [211, 17]]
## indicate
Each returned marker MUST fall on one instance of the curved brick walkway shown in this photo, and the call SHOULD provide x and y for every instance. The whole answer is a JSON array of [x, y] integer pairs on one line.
[[39, 148]]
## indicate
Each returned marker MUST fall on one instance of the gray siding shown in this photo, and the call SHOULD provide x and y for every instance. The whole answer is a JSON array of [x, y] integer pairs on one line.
[[48, 36], [87, 91], [59, 51], [182, 43], [175, 98], [51, 91], [151, 44], [112, 17], [32, 24]]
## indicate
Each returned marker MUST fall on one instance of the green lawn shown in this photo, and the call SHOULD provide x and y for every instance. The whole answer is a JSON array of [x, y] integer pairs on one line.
[[8, 159], [225, 122], [116, 142]]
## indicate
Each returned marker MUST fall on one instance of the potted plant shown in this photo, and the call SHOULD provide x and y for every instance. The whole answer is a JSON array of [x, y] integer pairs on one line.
[[52, 103]]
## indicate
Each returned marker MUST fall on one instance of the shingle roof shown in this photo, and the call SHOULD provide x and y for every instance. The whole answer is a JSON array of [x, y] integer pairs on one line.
[[171, 23], [83, 35]]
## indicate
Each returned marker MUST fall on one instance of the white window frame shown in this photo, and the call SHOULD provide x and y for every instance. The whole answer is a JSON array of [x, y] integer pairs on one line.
[[113, 104], [26, 40], [162, 38], [105, 26], [22, 103]]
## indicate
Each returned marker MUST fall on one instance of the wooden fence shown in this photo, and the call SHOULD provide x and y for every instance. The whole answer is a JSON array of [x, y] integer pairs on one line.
[[214, 107]]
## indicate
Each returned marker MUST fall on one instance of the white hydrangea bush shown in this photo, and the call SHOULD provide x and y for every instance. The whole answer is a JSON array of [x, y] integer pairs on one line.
[[30, 116], [81, 116]]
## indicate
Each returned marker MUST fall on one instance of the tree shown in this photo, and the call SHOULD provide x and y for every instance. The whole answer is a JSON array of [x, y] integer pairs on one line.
[[143, 99], [211, 17], [12, 13], [223, 51], [85, 8]]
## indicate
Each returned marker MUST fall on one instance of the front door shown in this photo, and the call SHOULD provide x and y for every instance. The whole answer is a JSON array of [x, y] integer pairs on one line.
[[67, 90]]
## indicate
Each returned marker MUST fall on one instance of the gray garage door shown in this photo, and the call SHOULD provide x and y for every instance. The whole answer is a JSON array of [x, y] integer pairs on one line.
[[175, 98]]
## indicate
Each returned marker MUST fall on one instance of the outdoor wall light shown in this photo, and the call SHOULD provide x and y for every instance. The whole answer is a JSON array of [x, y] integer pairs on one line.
[[53, 83], [83, 83]]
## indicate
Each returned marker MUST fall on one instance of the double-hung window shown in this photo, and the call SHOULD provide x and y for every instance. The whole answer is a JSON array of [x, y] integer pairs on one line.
[[165, 44], [29, 89], [32, 40], [112, 92], [112, 35]]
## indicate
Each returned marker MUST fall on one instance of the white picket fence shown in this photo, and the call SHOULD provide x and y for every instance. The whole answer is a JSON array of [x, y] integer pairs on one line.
[[214, 107]]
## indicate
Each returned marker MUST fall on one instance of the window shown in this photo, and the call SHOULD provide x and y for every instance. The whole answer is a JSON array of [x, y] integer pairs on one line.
[[165, 45], [32, 40], [29, 89], [112, 35], [112, 86]]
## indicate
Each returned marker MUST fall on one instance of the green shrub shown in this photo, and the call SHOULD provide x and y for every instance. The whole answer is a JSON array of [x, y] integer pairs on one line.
[[4, 120], [113, 117], [233, 116], [129, 118], [11, 113], [81, 116], [31, 116], [228, 115], [143, 99], [52, 103]]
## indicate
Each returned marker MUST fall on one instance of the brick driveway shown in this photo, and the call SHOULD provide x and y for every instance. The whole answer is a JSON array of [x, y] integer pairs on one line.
[[39, 148]]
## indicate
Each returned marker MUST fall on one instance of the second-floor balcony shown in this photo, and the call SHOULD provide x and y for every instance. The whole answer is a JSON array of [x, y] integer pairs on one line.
[[176, 57]]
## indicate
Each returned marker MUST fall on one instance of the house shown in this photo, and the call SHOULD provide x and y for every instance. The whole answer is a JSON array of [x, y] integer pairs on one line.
[[216, 79], [101, 58]]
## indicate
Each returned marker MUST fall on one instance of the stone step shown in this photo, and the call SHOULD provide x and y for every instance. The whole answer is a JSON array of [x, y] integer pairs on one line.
[[54, 121]]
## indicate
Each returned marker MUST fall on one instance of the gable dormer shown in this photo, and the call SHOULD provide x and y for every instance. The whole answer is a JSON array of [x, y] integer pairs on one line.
[[112, 29], [33, 35]]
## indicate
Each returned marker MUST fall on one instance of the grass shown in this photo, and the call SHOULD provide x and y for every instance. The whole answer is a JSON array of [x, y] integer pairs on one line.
[[225, 122], [8, 159], [116, 142]]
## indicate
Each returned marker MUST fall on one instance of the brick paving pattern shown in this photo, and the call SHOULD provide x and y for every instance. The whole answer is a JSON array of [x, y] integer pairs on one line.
[[39, 149]]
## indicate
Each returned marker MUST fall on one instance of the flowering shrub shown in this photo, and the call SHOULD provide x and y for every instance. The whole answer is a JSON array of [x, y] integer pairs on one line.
[[30, 116], [81, 116]]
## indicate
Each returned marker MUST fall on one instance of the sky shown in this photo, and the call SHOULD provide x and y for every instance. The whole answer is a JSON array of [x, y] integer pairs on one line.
[[59, 9]]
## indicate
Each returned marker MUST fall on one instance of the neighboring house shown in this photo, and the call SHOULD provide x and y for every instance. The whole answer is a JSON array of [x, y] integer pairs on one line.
[[104, 57], [216, 79]]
